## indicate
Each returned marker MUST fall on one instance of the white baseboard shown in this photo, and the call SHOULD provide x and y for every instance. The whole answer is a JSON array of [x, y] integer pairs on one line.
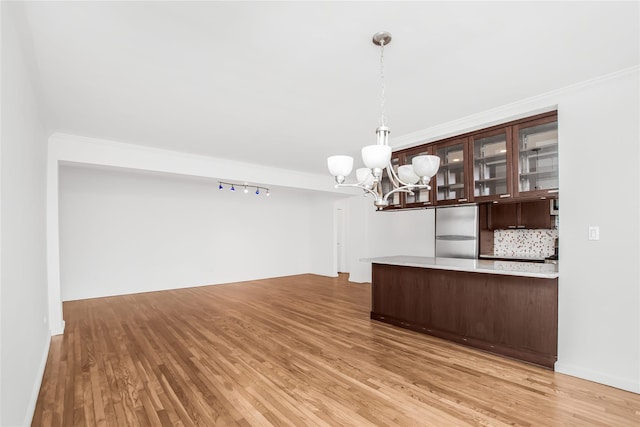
[[38, 383], [598, 377]]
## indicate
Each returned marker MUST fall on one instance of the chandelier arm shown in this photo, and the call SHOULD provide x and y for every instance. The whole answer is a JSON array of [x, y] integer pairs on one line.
[[406, 189], [395, 180], [373, 193], [397, 190]]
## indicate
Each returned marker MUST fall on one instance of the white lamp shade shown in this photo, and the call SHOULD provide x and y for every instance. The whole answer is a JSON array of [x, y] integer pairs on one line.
[[340, 165], [426, 165], [364, 177], [376, 156], [407, 175]]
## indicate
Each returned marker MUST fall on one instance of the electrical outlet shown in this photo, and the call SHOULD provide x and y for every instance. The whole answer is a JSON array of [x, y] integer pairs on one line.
[[594, 232]]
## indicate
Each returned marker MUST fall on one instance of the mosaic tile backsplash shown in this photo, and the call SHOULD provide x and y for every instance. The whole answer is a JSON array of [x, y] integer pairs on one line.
[[530, 243]]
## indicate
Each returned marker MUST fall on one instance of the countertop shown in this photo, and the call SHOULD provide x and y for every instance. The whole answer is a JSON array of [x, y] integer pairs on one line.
[[511, 268]]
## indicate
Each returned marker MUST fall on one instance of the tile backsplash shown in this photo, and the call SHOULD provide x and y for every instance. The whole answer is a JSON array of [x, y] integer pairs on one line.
[[529, 243]]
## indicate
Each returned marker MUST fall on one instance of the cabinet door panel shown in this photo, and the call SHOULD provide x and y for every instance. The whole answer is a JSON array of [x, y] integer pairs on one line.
[[384, 292], [536, 214], [399, 293], [503, 216], [479, 305], [451, 179], [446, 293], [533, 214], [525, 303], [491, 165], [420, 197], [537, 157]]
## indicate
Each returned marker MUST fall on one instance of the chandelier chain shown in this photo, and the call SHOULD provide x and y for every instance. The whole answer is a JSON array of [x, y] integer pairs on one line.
[[383, 119]]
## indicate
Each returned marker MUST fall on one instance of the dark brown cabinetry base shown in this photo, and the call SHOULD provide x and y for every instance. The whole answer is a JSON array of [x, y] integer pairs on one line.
[[509, 315]]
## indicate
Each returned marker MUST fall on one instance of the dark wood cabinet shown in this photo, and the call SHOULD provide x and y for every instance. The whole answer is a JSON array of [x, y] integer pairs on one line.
[[401, 297], [490, 167], [420, 197], [513, 161], [451, 182], [535, 160], [536, 214], [513, 316], [503, 215], [531, 214]]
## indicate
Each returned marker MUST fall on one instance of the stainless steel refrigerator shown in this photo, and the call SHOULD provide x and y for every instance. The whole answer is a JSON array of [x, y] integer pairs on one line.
[[457, 231]]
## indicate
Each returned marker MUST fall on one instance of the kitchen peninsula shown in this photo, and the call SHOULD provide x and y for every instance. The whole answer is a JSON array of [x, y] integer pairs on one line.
[[504, 307]]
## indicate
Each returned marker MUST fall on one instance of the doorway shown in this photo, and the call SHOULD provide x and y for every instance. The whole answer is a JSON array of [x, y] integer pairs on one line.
[[341, 249]]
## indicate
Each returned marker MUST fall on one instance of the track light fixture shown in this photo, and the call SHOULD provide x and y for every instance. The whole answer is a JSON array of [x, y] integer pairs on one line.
[[246, 187]]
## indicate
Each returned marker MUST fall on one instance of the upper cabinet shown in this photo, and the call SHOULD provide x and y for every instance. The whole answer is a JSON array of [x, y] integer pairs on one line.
[[451, 180], [509, 163], [420, 197], [536, 162], [529, 214], [491, 154]]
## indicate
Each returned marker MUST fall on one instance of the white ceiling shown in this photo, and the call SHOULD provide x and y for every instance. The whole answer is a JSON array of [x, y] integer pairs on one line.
[[289, 83]]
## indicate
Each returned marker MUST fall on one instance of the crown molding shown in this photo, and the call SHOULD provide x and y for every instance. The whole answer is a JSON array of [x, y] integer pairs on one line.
[[538, 104]]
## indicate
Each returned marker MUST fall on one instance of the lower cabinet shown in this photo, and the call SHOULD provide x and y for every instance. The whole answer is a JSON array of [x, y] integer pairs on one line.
[[513, 316]]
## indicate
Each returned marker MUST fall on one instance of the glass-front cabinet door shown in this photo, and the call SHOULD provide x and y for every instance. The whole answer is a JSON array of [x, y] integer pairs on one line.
[[491, 168], [450, 182], [420, 197], [395, 201], [537, 157]]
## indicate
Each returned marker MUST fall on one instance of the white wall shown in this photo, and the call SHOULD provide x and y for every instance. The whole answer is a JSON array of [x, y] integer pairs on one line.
[[74, 149], [599, 294], [374, 234], [357, 211], [599, 290], [410, 232], [125, 232], [25, 334]]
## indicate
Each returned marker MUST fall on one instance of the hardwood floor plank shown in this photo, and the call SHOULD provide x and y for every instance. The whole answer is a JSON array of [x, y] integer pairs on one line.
[[292, 351]]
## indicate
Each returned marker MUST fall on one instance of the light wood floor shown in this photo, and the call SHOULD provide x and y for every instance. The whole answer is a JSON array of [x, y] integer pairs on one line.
[[295, 351]]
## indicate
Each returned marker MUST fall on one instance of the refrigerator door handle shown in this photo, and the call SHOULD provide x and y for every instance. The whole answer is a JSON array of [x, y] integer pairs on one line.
[[455, 237]]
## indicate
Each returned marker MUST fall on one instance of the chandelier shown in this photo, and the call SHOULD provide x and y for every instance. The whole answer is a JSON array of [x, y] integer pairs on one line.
[[377, 157]]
